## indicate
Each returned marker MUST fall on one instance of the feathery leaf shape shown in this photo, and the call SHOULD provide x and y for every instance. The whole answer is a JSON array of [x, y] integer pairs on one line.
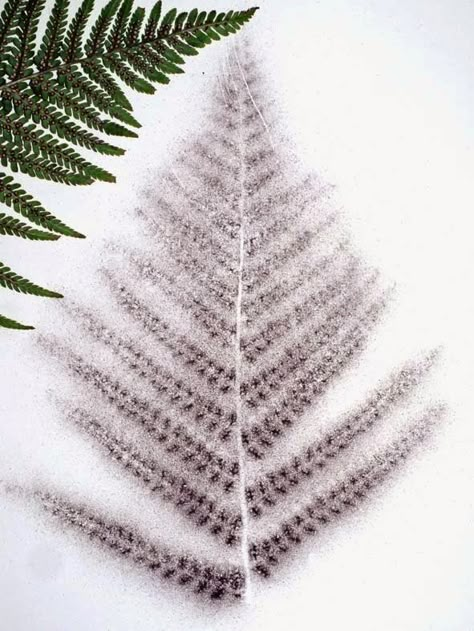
[[7, 323], [17, 283], [205, 381], [23, 45], [95, 43], [48, 55], [16, 198], [72, 49], [8, 21], [16, 228], [65, 81]]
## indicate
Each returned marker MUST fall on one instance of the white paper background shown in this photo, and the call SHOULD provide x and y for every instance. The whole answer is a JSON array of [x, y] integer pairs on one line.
[[379, 97]]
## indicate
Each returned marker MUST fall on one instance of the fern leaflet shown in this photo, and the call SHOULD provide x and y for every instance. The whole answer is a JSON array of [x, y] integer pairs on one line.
[[15, 282], [8, 323], [16, 228]]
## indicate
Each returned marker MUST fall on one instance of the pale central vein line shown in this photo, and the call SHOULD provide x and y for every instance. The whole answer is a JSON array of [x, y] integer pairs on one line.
[[238, 369], [178, 179], [257, 109]]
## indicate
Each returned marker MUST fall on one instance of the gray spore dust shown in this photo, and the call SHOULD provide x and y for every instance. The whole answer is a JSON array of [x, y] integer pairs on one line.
[[243, 305]]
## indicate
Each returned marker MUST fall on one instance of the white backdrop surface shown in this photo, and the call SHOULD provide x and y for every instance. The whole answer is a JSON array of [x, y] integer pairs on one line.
[[379, 98]]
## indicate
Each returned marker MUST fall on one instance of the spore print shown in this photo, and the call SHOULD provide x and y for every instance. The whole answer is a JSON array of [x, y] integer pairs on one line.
[[243, 307]]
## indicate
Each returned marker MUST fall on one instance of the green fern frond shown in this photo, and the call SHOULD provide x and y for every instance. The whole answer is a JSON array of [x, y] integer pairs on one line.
[[15, 282], [152, 23], [12, 194], [8, 22], [128, 76], [83, 87], [96, 42], [72, 49], [156, 58], [117, 34], [33, 107], [192, 15], [49, 51], [135, 27], [43, 144], [143, 67], [179, 21], [64, 89], [22, 50], [9, 226], [8, 323], [168, 53], [167, 22], [100, 75], [72, 105], [19, 159], [182, 47]]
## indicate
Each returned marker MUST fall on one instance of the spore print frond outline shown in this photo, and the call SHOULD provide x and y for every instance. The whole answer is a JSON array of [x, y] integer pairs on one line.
[[243, 307]]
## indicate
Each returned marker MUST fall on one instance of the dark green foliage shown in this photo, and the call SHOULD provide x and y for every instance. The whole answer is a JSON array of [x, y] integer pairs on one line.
[[13, 281], [50, 49], [8, 22], [57, 86], [96, 71], [7, 323], [96, 42], [16, 228], [22, 47], [73, 45], [17, 199]]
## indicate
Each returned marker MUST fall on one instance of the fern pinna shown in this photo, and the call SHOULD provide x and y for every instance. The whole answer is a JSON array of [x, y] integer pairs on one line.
[[53, 93], [203, 377]]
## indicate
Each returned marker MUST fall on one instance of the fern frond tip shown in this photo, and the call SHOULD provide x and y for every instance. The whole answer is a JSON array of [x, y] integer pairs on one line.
[[15, 282], [8, 323]]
